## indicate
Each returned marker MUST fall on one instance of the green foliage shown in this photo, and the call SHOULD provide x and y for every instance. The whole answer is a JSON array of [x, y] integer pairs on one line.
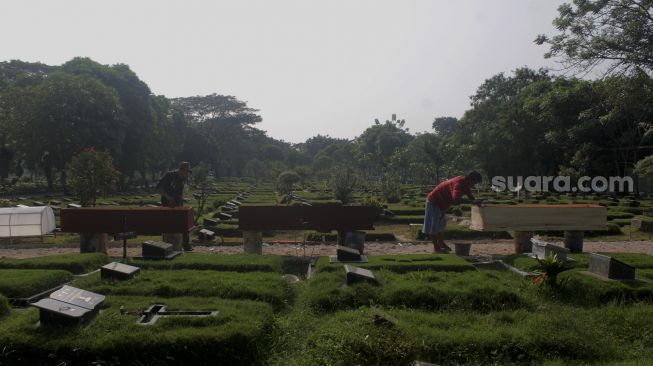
[[75, 263], [343, 181], [4, 306], [404, 263], [259, 286], [548, 270], [286, 182], [237, 336], [603, 31], [29, 282], [230, 263], [91, 173], [391, 188], [645, 166]]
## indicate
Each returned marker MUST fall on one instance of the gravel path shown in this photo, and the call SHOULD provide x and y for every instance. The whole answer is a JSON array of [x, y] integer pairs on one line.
[[479, 247]]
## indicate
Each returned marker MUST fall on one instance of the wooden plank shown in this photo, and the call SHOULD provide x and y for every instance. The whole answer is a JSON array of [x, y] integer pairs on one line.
[[579, 217], [323, 218], [142, 220]]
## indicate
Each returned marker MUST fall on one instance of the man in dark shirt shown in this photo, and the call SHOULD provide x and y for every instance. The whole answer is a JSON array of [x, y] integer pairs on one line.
[[443, 196], [171, 188]]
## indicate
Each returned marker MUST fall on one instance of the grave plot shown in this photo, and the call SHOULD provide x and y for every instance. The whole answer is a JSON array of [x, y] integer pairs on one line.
[[238, 335], [74, 263], [428, 290], [260, 286], [584, 288], [233, 263], [25, 283], [568, 335], [404, 263]]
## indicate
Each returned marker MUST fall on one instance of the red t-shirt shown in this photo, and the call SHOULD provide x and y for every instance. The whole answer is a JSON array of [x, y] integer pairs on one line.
[[445, 193]]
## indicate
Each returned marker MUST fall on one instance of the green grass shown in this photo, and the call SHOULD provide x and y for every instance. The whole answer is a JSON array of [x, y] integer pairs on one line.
[[217, 262], [579, 287], [260, 286], [4, 306], [75, 263], [404, 263], [20, 283], [237, 336], [427, 290], [581, 260], [571, 336]]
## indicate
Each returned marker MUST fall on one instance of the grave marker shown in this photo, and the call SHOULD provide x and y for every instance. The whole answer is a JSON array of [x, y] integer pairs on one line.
[[68, 306], [157, 311], [158, 250], [357, 275], [224, 216], [542, 250], [118, 271], [206, 235], [74, 205], [611, 268], [210, 222], [346, 254]]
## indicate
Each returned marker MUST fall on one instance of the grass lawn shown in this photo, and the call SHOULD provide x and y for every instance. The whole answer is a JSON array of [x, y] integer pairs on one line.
[[237, 336], [75, 263], [21, 283], [216, 262], [260, 286], [404, 263]]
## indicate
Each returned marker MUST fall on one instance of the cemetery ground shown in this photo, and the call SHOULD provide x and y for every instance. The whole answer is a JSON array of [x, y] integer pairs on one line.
[[442, 308]]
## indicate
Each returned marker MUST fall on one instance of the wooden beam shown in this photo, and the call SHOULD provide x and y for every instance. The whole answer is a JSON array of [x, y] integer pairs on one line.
[[580, 217]]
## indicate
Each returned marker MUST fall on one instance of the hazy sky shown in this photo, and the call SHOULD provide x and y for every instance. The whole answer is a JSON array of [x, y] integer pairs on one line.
[[311, 67]]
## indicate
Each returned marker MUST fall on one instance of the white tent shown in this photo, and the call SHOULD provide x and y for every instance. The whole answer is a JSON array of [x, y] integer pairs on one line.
[[26, 221]]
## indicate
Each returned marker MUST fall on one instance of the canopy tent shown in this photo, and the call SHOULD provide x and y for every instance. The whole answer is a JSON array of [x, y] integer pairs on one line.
[[26, 221]]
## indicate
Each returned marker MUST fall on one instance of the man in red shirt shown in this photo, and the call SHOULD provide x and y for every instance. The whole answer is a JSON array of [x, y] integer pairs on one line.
[[443, 196]]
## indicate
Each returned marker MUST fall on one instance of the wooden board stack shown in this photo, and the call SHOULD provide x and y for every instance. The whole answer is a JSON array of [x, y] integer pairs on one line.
[[576, 217]]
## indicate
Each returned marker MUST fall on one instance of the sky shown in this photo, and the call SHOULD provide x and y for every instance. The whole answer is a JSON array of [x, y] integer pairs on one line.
[[310, 67]]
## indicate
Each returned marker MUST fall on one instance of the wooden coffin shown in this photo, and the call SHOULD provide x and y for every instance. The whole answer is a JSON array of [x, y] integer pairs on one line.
[[322, 218], [577, 217]]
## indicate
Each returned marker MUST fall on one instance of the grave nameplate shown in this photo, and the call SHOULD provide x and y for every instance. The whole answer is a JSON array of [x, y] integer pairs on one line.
[[74, 205], [22, 206], [611, 268], [237, 203], [158, 250], [346, 254], [210, 222], [226, 208], [542, 250], [68, 306], [118, 271], [224, 216], [207, 235], [357, 274]]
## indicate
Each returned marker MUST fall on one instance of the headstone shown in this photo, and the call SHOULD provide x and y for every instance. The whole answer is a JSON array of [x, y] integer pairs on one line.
[[357, 275], [224, 216], [118, 271], [611, 268], [237, 203], [55, 202], [158, 250], [206, 235], [210, 222], [74, 205], [38, 203], [542, 250], [67, 199], [346, 254], [227, 208], [68, 306]]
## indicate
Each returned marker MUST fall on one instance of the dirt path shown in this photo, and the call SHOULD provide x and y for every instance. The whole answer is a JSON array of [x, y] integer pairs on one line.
[[479, 247]]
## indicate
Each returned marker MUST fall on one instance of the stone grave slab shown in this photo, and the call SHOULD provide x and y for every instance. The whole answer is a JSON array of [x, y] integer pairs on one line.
[[346, 254], [55, 202], [358, 275], [236, 202], [224, 216], [157, 311], [118, 271], [22, 206], [74, 205], [68, 306], [209, 222], [38, 203], [542, 249], [206, 235], [610, 268], [158, 250]]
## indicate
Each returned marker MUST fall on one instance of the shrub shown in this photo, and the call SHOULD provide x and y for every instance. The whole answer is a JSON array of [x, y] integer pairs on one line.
[[91, 173]]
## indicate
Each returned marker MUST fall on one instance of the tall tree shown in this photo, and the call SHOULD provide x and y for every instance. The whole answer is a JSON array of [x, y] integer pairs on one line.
[[618, 33]]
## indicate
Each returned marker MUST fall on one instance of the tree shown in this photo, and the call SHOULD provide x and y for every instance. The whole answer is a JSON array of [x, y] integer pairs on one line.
[[286, 182], [594, 32], [376, 145], [444, 126], [201, 180], [91, 173], [645, 166], [343, 181]]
